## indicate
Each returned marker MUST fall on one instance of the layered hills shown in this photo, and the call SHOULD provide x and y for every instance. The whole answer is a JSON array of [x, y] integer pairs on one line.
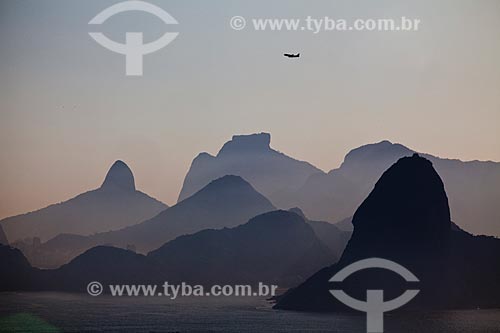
[[272, 173], [225, 202], [114, 205], [278, 247], [406, 219]]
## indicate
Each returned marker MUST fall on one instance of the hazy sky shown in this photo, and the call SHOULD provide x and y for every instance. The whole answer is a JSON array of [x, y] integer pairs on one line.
[[67, 110]]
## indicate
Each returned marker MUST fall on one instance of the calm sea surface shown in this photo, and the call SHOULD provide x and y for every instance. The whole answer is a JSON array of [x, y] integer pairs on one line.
[[64, 312]]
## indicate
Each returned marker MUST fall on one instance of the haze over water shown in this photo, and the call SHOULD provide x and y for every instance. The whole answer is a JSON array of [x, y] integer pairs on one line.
[[83, 313]]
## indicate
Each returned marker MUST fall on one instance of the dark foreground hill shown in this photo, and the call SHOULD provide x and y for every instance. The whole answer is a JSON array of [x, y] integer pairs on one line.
[[115, 205], [274, 248], [17, 273], [226, 202], [277, 247], [406, 219]]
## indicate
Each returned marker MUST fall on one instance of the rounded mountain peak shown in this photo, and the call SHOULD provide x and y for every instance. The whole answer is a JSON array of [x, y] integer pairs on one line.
[[120, 177], [381, 151], [409, 201], [227, 183]]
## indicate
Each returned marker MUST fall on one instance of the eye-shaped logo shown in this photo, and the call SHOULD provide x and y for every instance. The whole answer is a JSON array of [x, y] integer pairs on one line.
[[134, 48], [374, 305]]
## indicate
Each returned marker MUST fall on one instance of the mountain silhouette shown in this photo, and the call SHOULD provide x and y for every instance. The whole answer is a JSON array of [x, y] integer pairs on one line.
[[345, 224], [116, 204], [272, 173], [109, 264], [406, 219], [257, 251], [330, 235], [106, 264], [473, 187], [225, 202], [247, 254], [119, 177], [17, 273]]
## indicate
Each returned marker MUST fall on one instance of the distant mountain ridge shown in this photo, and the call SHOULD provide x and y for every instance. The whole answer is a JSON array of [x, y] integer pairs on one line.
[[116, 204], [225, 202], [272, 173], [256, 251], [473, 187]]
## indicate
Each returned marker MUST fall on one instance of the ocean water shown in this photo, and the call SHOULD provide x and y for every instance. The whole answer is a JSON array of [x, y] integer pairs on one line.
[[66, 312]]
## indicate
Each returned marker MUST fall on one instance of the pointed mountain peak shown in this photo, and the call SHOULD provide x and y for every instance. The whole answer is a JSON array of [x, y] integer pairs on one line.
[[119, 177], [409, 201], [247, 143]]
